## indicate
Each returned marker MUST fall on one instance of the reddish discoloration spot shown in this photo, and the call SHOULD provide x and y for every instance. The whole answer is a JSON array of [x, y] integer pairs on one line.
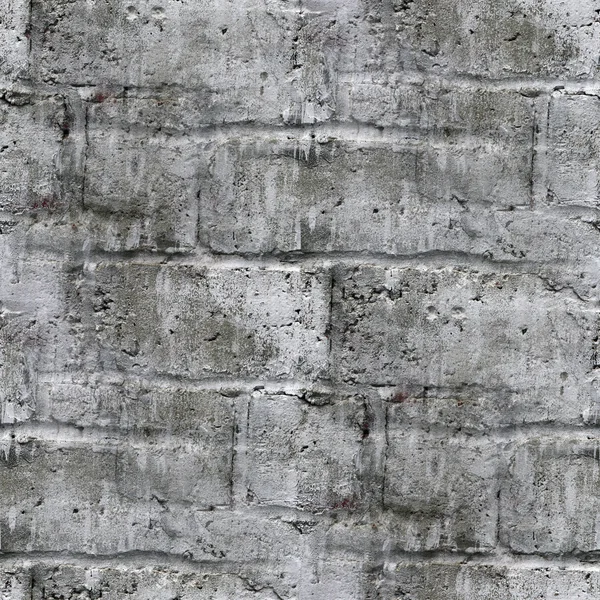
[[365, 426], [399, 397], [346, 504], [99, 97], [65, 127], [47, 202], [366, 429]]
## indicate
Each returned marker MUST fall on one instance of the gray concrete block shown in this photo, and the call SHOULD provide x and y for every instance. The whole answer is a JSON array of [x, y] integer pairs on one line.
[[573, 150], [84, 481], [33, 328], [423, 581], [483, 38], [141, 181], [200, 322], [334, 577], [442, 491], [475, 408], [549, 499], [439, 111], [451, 328], [139, 407], [14, 40], [29, 182], [299, 455], [236, 54]]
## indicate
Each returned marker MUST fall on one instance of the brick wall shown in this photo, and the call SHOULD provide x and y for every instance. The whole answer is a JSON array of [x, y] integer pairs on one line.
[[298, 299]]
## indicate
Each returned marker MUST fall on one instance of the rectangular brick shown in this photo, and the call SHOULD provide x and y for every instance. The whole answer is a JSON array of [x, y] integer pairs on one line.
[[483, 38], [200, 322], [474, 408], [130, 405], [350, 192], [14, 42], [335, 577], [457, 329], [573, 152], [433, 581], [180, 471], [29, 173], [236, 56], [550, 499], [137, 583], [141, 182], [442, 491], [301, 456], [120, 469], [497, 119], [34, 336]]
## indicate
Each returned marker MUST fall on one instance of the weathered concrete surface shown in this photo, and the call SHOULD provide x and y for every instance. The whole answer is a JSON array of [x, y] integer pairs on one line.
[[299, 300], [453, 582]]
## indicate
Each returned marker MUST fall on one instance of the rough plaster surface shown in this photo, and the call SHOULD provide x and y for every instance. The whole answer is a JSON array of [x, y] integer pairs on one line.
[[299, 300]]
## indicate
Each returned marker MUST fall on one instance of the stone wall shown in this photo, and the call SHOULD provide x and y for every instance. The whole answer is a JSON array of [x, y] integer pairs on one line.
[[298, 299]]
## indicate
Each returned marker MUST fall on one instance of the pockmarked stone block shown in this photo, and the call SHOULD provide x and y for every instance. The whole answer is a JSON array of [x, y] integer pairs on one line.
[[198, 322], [573, 154], [442, 491], [435, 581], [301, 455], [128, 471], [550, 498], [336, 576], [455, 329], [354, 190], [141, 182], [474, 408], [179, 471], [236, 55], [496, 119], [482, 38], [33, 333], [127, 583], [78, 497], [140, 407], [29, 181], [14, 40]]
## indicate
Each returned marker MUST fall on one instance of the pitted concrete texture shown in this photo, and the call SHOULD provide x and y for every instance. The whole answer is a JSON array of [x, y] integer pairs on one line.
[[299, 300]]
